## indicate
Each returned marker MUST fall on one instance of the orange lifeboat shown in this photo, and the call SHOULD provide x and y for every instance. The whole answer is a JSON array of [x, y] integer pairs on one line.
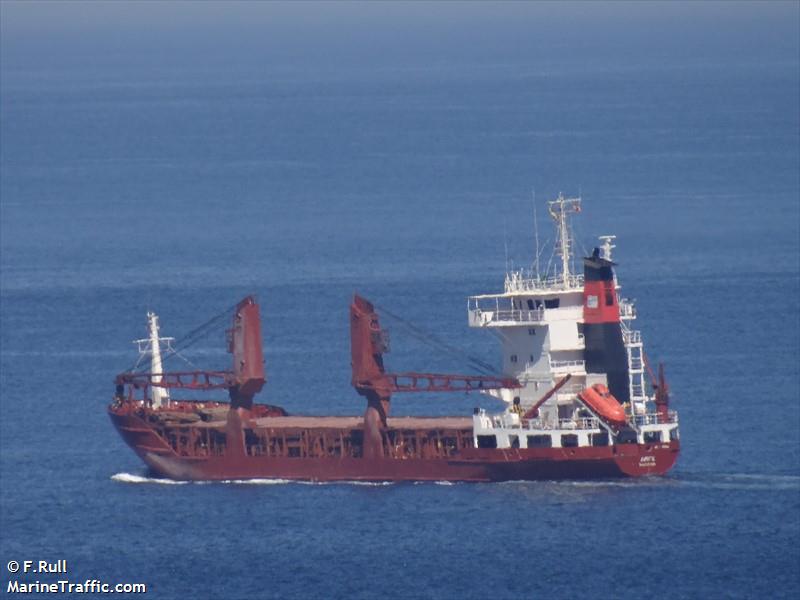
[[600, 400]]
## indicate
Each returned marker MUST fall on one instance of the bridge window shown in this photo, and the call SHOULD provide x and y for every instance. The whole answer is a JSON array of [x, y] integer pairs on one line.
[[552, 303], [513, 358], [569, 440], [530, 304], [487, 441], [531, 331], [540, 441]]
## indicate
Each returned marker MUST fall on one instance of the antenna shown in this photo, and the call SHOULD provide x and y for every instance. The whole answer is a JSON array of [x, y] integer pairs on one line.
[[559, 210], [505, 241], [536, 233]]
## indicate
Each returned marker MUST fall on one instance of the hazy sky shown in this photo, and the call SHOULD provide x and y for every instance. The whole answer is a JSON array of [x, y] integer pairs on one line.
[[31, 16], [186, 30]]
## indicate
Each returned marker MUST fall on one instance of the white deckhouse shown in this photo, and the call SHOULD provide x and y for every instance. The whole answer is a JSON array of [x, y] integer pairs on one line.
[[539, 321]]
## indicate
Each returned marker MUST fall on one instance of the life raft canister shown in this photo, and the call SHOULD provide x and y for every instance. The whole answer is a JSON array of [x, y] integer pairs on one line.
[[600, 400]]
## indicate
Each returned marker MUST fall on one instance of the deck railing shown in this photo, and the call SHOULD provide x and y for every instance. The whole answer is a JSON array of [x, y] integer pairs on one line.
[[518, 282], [632, 336], [582, 423], [485, 317], [655, 419], [626, 309], [537, 424], [566, 366]]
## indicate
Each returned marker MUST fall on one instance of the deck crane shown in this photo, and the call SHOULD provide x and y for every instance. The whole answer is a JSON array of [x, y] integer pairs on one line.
[[244, 379], [661, 388], [368, 343]]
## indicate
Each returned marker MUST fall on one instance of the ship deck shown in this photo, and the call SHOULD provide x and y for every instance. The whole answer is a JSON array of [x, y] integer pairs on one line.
[[314, 422]]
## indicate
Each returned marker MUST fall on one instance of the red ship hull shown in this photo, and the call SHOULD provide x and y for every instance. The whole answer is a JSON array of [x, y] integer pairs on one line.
[[468, 464]]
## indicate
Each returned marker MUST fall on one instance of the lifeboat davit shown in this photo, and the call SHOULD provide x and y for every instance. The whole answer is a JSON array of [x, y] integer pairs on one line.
[[600, 400]]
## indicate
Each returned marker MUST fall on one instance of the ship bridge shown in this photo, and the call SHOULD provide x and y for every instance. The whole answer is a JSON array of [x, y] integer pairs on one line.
[[504, 310], [561, 324], [538, 319]]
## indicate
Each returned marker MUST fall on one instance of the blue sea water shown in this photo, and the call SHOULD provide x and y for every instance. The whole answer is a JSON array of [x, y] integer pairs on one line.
[[159, 159]]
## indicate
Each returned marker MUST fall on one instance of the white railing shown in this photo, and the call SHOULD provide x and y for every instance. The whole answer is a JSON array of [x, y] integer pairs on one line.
[[518, 282], [582, 423], [509, 421], [565, 366], [501, 421], [485, 317], [631, 336], [626, 309], [655, 419]]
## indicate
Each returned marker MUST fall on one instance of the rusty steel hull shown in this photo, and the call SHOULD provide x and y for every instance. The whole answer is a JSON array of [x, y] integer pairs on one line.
[[468, 464]]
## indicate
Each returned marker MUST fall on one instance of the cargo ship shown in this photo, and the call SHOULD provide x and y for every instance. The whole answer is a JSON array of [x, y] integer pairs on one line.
[[572, 395]]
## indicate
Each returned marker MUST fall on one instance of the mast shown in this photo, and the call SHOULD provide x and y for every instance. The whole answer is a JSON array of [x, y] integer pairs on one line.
[[559, 210], [536, 236], [243, 380], [152, 346]]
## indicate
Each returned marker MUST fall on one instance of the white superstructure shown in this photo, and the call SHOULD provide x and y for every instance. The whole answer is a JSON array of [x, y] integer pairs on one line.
[[539, 321]]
